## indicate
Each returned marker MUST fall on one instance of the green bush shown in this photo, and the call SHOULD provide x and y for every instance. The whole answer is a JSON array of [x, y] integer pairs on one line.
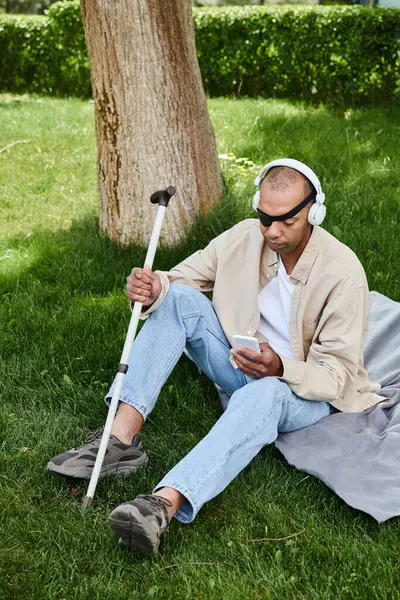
[[341, 56], [45, 54], [336, 55]]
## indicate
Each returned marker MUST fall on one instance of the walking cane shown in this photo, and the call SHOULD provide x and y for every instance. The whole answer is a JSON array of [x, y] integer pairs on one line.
[[161, 198]]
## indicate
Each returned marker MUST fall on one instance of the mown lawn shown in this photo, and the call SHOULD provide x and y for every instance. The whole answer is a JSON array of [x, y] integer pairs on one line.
[[63, 316]]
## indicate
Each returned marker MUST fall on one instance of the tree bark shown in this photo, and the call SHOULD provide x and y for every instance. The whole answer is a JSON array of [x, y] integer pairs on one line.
[[152, 124]]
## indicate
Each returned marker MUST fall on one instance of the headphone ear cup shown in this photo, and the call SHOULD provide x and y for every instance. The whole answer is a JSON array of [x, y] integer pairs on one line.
[[316, 214], [321, 214], [256, 199]]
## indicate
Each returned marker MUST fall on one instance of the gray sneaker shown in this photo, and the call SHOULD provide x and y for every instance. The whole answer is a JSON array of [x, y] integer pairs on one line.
[[120, 459], [141, 522]]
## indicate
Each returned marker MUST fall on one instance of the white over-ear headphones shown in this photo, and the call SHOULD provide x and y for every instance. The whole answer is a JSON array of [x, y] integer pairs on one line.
[[317, 211]]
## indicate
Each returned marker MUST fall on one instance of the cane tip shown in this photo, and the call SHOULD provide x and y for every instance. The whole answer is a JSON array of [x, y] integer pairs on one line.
[[87, 502]]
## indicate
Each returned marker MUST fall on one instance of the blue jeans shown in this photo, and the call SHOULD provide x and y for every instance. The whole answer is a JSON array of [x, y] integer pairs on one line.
[[256, 412]]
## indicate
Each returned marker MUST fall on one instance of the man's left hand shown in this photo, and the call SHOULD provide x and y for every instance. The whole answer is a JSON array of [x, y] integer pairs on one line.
[[258, 364]]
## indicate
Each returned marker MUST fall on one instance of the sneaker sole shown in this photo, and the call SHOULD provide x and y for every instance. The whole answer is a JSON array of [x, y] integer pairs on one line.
[[134, 530], [124, 469]]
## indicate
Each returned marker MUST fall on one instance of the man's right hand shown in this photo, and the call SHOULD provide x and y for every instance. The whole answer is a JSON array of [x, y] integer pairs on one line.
[[142, 285]]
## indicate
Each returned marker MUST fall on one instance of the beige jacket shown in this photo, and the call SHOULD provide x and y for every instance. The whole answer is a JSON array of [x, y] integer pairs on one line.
[[329, 314]]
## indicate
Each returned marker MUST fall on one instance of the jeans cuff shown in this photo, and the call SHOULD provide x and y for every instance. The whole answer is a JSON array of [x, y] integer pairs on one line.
[[139, 407], [189, 508]]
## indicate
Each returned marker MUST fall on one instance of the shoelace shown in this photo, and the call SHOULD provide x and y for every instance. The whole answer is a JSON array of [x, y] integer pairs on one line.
[[158, 501], [92, 437], [161, 503]]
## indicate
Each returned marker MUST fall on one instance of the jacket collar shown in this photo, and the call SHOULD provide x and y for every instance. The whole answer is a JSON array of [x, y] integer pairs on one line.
[[303, 266]]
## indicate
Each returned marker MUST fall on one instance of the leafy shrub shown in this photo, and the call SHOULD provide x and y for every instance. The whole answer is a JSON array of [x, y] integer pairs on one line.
[[340, 56], [336, 55], [45, 54]]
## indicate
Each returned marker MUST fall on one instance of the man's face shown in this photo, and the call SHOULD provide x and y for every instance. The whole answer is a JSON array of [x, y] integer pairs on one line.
[[284, 236]]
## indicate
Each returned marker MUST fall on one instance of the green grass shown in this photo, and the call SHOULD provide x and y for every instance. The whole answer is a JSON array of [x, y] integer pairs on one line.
[[63, 319]]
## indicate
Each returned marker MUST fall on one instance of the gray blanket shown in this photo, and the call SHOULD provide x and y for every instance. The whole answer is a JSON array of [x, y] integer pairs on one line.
[[357, 455]]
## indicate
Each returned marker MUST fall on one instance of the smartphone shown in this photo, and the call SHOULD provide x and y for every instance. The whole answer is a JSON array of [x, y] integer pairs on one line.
[[244, 341]]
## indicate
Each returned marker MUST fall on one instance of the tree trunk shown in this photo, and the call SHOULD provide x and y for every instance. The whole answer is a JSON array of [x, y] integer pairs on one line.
[[152, 124]]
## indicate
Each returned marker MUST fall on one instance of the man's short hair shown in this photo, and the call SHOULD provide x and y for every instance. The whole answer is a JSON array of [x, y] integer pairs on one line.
[[280, 178]]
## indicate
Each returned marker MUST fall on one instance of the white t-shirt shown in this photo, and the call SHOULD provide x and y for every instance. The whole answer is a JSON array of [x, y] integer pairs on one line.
[[275, 301]]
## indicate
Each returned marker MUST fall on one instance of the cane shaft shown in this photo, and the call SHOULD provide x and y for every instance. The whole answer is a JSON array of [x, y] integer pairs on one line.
[[119, 379]]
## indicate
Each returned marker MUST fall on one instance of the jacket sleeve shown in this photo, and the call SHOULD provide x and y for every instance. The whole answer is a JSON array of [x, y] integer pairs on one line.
[[198, 271], [334, 356]]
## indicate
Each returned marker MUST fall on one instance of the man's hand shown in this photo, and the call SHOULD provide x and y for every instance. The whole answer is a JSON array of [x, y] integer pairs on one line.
[[258, 364], [142, 285]]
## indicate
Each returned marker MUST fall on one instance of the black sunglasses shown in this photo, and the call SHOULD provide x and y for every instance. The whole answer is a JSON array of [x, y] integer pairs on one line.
[[267, 220]]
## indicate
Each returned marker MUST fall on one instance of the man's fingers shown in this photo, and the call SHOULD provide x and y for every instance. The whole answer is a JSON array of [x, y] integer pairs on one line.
[[139, 280], [141, 299], [133, 289], [266, 348], [251, 371], [147, 271], [241, 361], [254, 357], [139, 284], [138, 297], [143, 274], [144, 277]]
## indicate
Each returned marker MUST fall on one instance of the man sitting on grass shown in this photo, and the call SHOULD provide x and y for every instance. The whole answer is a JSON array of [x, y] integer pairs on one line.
[[286, 281]]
